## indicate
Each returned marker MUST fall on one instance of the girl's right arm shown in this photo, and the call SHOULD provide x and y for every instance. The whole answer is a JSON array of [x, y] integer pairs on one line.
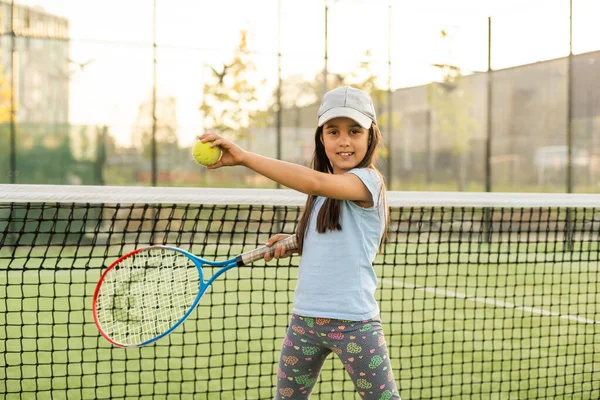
[[294, 176]]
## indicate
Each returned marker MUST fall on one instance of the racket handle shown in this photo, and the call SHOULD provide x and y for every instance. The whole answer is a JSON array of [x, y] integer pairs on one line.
[[290, 243]]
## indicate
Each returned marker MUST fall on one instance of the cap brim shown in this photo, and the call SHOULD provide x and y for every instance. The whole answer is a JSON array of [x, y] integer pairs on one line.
[[351, 113]]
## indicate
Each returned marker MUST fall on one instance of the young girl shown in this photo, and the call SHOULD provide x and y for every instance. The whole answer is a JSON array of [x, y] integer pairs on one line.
[[339, 233]]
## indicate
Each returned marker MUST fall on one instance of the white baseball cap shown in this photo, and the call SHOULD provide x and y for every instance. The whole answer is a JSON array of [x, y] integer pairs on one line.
[[347, 102]]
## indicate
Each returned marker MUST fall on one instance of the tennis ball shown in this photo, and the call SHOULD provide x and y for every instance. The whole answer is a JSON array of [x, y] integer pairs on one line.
[[204, 154]]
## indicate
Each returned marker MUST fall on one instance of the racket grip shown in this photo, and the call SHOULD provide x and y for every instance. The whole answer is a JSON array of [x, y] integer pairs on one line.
[[290, 243]]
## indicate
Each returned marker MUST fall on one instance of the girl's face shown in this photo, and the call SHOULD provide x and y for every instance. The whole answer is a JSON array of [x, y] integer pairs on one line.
[[345, 143]]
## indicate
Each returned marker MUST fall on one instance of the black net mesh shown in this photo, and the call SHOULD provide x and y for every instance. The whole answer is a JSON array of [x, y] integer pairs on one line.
[[476, 302]]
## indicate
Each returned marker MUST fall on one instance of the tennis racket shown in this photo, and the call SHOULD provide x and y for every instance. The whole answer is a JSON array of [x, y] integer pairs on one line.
[[146, 294]]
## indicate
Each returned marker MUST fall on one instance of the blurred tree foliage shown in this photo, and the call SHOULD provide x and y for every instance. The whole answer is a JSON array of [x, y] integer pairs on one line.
[[230, 105], [450, 101], [166, 128], [43, 152], [5, 117], [5, 97], [364, 78]]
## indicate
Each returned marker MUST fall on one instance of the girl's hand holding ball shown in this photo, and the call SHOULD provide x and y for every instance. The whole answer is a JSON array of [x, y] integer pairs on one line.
[[214, 151], [206, 155]]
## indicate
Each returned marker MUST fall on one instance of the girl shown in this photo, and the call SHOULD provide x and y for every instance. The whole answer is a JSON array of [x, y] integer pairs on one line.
[[339, 233]]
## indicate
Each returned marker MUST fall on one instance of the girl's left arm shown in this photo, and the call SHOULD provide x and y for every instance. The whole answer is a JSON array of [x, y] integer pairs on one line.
[[294, 176]]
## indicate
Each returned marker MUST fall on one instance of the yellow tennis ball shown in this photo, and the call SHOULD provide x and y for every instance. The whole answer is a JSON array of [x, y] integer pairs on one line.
[[204, 154]]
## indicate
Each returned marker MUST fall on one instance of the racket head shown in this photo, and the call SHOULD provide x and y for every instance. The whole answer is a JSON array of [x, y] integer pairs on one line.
[[146, 294]]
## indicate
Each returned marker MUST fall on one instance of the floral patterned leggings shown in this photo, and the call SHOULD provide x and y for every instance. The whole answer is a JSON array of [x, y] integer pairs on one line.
[[359, 344]]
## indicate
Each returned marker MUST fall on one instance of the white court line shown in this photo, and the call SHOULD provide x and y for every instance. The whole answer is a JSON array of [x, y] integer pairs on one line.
[[489, 301]]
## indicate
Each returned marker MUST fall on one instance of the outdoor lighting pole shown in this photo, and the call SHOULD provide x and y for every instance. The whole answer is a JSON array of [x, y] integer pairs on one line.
[[14, 90], [279, 111], [390, 121], [326, 55], [569, 216], [153, 156], [570, 104], [488, 142]]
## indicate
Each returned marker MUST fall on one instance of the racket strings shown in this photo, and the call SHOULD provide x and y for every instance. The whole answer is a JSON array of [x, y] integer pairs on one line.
[[146, 294]]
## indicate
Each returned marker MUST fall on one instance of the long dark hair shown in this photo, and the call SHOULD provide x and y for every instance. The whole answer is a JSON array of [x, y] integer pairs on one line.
[[329, 214]]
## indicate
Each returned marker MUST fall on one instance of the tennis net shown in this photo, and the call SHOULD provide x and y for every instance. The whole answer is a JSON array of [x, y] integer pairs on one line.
[[481, 295]]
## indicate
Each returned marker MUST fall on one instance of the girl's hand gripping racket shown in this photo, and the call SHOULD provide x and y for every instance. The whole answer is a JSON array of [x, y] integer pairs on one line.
[[146, 294]]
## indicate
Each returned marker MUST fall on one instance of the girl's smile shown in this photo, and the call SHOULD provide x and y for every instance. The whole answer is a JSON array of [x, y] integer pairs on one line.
[[345, 143]]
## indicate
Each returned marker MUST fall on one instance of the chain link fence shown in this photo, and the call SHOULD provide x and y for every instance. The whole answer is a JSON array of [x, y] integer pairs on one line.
[[464, 102]]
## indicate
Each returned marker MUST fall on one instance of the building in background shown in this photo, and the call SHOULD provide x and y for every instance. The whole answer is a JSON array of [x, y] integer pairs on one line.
[[34, 57], [40, 56], [439, 140], [529, 115]]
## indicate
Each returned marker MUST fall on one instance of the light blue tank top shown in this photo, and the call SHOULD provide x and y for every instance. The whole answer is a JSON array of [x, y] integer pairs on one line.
[[336, 277]]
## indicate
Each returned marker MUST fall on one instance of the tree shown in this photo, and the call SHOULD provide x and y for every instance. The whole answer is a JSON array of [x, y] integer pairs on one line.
[[166, 128], [5, 111], [230, 105], [297, 92], [451, 103], [364, 78], [5, 98], [450, 100], [5, 120]]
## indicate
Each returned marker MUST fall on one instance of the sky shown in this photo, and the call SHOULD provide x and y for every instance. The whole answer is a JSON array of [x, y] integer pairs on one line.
[[115, 36]]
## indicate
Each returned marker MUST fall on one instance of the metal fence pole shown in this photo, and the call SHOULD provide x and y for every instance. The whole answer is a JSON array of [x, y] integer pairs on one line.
[[489, 104], [488, 143], [569, 216], [390, 122], [14, 62], [570, 104], [279, 111], [325, 73], [154, 61]]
